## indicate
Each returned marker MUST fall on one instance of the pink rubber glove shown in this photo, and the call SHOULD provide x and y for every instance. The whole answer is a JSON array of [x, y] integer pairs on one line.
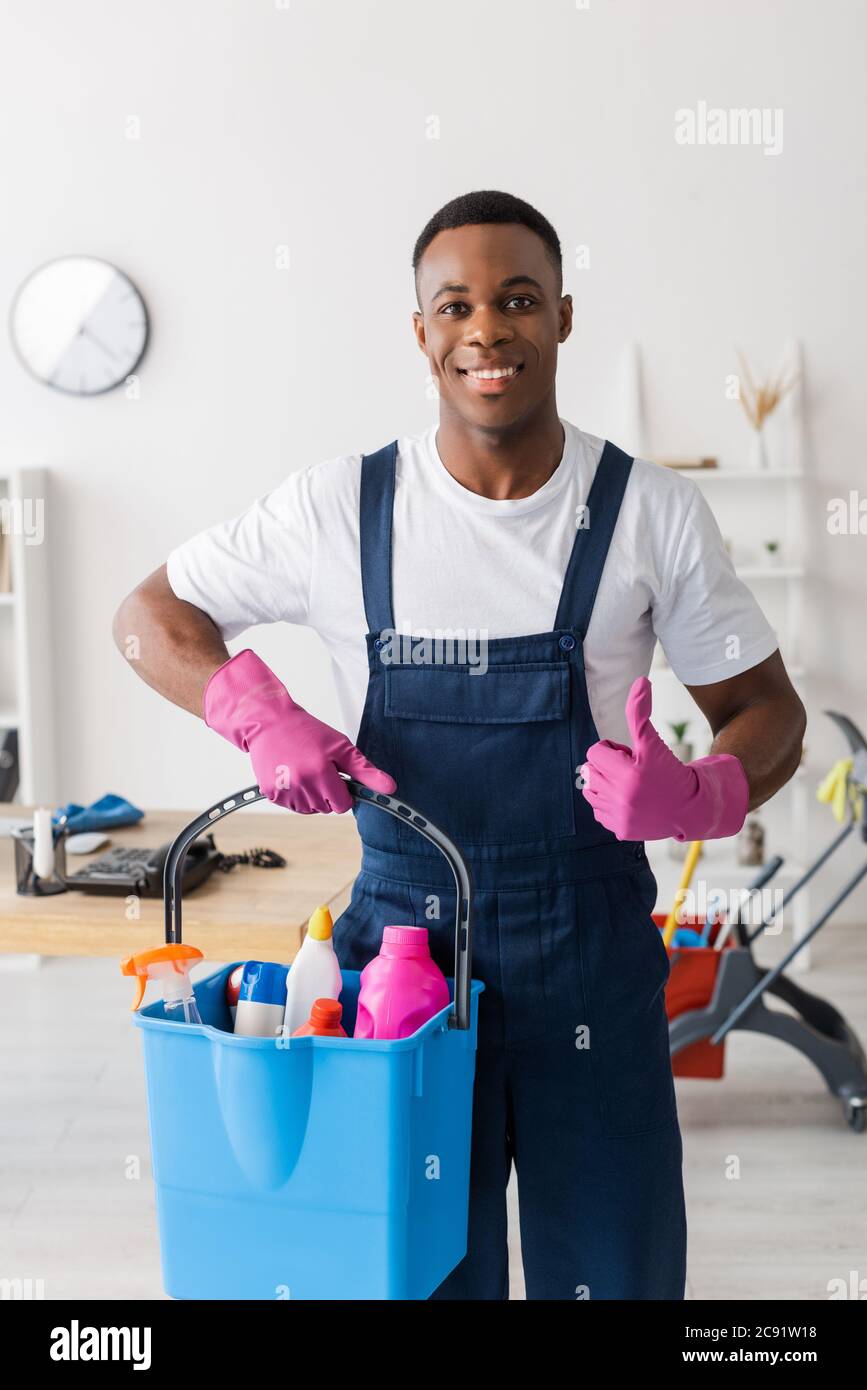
[[646, 793], [295, 757]]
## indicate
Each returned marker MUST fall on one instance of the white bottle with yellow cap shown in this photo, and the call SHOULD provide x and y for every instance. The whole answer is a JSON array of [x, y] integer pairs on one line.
[[313, 974]]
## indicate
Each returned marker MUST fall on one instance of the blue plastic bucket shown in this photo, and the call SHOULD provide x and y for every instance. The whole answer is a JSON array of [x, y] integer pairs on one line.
[[311, 1168]]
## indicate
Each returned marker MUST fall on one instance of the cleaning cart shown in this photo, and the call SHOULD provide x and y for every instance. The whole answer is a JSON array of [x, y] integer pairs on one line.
[[717, 989], [311, 1167]]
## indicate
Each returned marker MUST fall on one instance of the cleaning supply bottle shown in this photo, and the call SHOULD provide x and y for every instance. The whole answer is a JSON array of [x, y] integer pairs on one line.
[[401, 988], [259, 1011], [171, 964], [324, 1021], [233, 989], [314, 973]]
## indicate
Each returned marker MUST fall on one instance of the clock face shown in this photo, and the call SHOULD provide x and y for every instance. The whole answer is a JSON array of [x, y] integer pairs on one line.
[[80, 325]]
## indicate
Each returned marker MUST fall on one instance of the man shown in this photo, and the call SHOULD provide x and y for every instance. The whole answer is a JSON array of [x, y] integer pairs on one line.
[[560, 561]]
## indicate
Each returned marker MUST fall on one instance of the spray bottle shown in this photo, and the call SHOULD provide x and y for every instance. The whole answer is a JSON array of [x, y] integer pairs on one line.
[[171, 964]]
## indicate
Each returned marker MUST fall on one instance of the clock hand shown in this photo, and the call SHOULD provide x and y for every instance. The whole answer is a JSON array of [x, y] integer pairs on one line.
[[87, 334]]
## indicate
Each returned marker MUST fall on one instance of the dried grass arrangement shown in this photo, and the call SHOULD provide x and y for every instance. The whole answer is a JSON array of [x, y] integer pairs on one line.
[[761, 400]]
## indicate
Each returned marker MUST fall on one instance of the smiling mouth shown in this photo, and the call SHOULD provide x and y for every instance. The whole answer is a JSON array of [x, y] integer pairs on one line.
[[490, 380]]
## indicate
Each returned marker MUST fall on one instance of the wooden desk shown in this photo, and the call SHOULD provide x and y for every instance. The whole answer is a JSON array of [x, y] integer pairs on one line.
[[249, 913]]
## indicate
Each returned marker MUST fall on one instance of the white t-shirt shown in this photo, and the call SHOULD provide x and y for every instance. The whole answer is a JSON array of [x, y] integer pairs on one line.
[[466, 563]]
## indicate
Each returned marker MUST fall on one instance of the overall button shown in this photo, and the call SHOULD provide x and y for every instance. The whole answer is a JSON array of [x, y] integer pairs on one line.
[[379, 644], [567, 642]]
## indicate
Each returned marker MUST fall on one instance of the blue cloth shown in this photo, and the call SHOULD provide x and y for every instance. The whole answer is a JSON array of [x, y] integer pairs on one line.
[[685, 936], [563, 939], [108, 813]]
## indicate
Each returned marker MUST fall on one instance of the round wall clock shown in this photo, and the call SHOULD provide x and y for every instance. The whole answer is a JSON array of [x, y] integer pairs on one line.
[[80, 325]]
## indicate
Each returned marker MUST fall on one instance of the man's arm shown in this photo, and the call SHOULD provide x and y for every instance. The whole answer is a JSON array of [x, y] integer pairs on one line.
[[758, 717], [178, 650], [646, 793], [172, 645]]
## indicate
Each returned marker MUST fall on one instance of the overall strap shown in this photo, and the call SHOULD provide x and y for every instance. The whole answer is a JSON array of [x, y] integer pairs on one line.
[[592, 540], [377, 503]]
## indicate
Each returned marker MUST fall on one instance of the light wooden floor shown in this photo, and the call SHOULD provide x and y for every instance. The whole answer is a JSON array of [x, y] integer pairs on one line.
[[72, 1116]]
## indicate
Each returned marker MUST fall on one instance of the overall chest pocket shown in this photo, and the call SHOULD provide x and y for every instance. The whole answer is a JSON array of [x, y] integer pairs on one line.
[[487, 756]]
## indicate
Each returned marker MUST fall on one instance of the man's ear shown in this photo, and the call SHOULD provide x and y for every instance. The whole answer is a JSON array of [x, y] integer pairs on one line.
[[565, 317], [418, 326]]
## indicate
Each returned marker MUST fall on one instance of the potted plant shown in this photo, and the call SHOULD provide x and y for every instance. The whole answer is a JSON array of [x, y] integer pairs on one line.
[[773, 551], [680, 747]]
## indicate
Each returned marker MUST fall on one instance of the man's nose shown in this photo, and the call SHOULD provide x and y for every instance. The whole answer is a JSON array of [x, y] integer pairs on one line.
[[487, 327]]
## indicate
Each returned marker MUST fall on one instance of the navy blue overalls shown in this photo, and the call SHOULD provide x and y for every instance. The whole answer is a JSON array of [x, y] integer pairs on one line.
[[573, 1075]]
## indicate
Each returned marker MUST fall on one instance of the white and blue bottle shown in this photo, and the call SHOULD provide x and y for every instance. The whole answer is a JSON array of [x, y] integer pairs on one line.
[[261, 1000]]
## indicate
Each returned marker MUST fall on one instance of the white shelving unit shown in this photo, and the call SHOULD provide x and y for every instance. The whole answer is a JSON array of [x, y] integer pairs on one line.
[[26, 684], [743, 501]]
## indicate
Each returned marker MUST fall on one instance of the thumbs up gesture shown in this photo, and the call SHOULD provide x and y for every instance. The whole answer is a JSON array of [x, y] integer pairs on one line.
[[646, 793]]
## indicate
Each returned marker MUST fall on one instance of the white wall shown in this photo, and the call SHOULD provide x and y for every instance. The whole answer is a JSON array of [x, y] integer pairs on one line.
[[307, 124]]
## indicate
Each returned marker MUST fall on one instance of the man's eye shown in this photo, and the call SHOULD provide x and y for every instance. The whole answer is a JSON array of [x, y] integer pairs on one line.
[[519, 301]]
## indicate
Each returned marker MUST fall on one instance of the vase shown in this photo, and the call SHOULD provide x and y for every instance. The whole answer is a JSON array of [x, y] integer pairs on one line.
[[759, 452], [750, 845]]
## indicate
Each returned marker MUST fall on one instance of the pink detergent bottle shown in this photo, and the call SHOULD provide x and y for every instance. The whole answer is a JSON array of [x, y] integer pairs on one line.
[[401, 988]]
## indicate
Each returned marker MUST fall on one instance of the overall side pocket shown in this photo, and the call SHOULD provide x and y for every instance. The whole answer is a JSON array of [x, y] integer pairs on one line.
[[625, 968]]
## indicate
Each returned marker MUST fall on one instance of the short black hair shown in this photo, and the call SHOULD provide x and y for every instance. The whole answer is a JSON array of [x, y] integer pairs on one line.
[[485, 207]]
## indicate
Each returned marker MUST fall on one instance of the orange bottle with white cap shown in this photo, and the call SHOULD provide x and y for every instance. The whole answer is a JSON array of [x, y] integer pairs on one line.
[[171, 964]]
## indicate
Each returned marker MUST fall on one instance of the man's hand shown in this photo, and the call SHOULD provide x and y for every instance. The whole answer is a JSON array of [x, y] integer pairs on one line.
[[296, 758], [646, 793]]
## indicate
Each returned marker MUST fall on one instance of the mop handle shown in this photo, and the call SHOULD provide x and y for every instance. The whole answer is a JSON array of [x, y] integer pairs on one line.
[[173, 875], [688, 870]]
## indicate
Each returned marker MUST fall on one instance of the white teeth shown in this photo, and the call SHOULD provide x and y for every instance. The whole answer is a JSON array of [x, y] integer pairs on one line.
[[492, 375]]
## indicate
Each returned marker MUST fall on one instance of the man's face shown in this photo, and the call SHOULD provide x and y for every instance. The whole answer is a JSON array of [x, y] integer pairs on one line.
[[489, 302]]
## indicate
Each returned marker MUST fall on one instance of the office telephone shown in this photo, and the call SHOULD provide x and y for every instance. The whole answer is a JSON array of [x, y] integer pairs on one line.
[[140, 871]]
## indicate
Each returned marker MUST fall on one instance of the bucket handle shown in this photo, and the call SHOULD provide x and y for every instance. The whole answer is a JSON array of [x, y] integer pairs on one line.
[[173, 875]]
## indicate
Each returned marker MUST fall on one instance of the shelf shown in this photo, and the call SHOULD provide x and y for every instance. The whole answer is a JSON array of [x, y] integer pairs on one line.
[[716, 871], [741, 475], [777, 510], [770, 571], [27, 691], [723, 866]]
